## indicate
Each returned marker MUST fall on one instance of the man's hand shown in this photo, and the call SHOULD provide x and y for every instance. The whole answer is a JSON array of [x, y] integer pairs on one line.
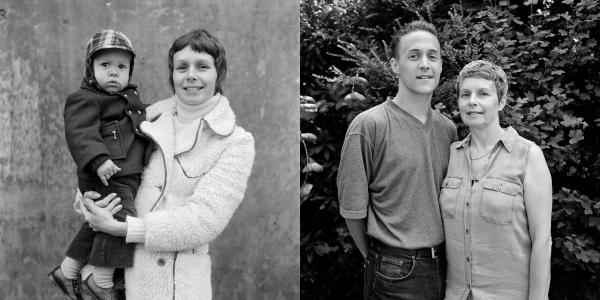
[[106, 170]]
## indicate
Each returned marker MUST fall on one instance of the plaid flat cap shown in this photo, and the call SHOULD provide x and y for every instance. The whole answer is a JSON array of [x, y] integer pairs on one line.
[[105, 39], [108, 39]]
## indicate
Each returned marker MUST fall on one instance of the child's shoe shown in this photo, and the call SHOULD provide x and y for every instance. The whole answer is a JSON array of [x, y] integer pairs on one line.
[[89, 287], [71, 287]]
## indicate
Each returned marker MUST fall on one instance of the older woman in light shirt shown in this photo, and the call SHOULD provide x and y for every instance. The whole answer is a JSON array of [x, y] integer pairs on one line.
[[496, 199]]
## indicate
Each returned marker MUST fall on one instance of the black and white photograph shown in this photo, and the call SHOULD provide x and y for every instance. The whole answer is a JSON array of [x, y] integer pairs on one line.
[[149, 150], [300, 149], [450, 149]]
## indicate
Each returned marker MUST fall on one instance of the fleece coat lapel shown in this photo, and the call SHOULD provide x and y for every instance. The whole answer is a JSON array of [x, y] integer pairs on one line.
[[221, 119], [161, 129], [162, 132]]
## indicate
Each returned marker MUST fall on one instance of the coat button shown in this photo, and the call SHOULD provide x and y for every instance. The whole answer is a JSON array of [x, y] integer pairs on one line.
[[500, 187], [137, 130], [135, 92], [125, 95], [161, 262], [129, 112], [139, 112]]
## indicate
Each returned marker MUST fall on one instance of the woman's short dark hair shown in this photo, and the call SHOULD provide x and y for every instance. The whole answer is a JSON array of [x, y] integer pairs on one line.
[[201, 40]]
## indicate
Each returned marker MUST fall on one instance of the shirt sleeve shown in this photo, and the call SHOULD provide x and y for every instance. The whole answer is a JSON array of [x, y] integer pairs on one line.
[[354, 170]]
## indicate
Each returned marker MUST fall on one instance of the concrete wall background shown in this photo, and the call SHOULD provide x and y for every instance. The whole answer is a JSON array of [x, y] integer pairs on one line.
[[41, 52]]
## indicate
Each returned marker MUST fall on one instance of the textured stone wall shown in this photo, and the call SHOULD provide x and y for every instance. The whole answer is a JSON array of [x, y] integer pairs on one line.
[[41, 53]]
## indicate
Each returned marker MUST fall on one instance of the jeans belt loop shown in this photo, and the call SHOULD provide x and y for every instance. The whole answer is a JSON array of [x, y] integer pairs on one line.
[[433, 253]]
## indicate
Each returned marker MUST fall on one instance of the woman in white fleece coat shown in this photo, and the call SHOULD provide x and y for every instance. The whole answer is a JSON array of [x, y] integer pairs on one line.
[[193, 183]]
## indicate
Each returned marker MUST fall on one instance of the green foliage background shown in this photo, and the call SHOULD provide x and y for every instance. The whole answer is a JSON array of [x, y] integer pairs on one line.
[[549, 50]]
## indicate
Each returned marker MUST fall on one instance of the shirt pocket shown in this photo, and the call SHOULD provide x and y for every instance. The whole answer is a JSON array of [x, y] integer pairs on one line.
[[111, 134], [497, 200], [449, 196]]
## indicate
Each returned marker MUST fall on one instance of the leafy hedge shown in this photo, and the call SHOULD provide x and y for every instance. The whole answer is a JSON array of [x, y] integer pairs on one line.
[[549, 51]]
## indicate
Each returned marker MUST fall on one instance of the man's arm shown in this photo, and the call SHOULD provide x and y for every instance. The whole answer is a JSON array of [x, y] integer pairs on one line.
[[358, 231], [353, 180]]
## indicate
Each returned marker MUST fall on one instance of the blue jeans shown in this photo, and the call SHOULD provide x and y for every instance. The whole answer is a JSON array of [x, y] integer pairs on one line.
[[393, 273]]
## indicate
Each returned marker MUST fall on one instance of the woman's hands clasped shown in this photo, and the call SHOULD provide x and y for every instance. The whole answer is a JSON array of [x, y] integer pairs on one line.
[[99, 214]]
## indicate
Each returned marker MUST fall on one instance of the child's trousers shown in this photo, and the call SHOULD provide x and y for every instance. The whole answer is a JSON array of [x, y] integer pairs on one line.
[[102, 249]]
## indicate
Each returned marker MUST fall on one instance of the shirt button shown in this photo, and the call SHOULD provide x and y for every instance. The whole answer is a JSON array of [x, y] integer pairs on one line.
[[139, 112], [467, 231], [468, 259], [135, 92], [125, 95], [161, 262], [129, 112], [137, 130], [500, 187], [468, 204]]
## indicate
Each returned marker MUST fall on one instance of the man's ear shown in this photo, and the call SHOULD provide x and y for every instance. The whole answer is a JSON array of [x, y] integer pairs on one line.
[[394, 65]]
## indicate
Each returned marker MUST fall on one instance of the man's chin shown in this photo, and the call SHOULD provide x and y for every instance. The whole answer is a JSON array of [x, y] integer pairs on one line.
[[425, 90]]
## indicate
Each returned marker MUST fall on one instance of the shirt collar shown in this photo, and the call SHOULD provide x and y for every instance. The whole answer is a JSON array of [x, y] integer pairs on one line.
[[508, 139]]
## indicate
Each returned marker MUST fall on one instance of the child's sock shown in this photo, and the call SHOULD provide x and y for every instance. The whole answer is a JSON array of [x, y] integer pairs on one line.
[[103, 276], [70, 267], [86, 271]]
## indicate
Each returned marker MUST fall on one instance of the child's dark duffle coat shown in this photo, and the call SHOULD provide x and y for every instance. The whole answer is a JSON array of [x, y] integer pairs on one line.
[[100, 126]]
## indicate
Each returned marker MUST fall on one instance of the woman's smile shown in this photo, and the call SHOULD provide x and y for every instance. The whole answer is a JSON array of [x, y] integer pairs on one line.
[[192, 88]]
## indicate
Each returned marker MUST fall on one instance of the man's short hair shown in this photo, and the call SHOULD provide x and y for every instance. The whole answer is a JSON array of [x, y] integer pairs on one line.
[[485, 70], [408, 28]]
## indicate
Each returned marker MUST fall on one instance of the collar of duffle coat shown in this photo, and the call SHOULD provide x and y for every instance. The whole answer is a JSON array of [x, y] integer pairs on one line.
[[221, 120]]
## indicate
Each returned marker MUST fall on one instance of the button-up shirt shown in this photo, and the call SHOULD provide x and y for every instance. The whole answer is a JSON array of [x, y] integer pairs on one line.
[[487, 238]]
